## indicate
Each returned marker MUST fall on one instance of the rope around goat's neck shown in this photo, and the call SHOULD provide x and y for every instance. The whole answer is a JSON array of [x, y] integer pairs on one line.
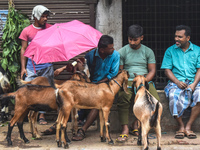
[[136, 90], [117, 83]]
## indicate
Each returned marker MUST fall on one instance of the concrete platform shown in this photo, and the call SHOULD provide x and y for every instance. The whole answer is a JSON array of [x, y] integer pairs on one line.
[[168, 123], [92, 141]]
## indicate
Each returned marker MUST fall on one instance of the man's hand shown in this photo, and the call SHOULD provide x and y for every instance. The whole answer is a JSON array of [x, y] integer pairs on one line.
[[59, 70], [23, 71], [192, 86], [181, 85]]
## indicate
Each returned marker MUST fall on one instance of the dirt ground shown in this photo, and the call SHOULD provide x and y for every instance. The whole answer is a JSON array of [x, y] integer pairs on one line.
[[92, 141]]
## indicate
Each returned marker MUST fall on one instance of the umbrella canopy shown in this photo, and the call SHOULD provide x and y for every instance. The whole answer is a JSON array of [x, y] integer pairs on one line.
[[62, 41]]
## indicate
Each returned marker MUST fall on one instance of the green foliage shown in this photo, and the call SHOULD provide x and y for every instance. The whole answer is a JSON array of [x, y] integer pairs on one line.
[[11, 44]]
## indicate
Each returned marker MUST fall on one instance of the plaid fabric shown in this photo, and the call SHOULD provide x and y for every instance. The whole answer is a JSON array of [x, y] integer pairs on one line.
[[181, 99]]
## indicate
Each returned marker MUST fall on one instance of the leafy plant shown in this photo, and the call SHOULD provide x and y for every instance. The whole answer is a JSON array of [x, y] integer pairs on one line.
[[11, 44]]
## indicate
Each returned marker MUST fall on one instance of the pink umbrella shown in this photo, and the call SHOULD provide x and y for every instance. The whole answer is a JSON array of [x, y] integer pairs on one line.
[[62, 41]]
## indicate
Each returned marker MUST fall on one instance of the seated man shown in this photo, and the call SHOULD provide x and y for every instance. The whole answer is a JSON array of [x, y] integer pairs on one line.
[[135, 58], [181, 63]]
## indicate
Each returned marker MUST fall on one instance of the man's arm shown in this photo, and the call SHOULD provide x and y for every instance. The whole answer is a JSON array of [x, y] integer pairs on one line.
[[23, 58], [152, 72], [114, 69], [59, 70], [103, 80], [106, 79], [196, 80], [172, 78]]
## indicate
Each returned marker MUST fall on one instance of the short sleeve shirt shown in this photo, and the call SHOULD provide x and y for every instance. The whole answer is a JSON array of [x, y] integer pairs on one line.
[[183, 64], [136, 61], [28, 34], [107, 68]]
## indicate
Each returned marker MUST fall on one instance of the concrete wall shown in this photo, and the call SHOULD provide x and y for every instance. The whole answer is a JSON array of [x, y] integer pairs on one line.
[[109, 20]]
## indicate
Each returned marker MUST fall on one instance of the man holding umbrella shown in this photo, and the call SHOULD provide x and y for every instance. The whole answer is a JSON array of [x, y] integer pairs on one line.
[[29, 69]]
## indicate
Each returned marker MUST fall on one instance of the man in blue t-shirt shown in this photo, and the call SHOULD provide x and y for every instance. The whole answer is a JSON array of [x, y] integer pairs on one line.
[[181, 63], [103, 64]]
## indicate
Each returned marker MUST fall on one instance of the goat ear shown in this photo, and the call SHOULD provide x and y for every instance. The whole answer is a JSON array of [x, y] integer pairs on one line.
[[125, 84], [135, 74], [144, 75], [82, 59]]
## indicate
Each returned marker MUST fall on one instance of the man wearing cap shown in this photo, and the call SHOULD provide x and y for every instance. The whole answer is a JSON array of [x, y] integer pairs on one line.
[[29, 69]]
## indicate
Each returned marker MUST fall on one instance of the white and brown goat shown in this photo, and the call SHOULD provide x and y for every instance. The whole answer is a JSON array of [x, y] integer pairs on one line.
[[76, 94], [148, 111], [4, 88]]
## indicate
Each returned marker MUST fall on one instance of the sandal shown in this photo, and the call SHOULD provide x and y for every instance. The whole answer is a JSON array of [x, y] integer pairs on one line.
[[179, 134], [50, 131], [122, 138], [42, 121], [133, 132], [190, 134], [79, 136]]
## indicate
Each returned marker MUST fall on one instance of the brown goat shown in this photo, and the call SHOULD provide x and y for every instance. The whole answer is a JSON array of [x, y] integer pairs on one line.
[[32, 116], [148, 111], [30, 97], [81, 72], [76, 94]]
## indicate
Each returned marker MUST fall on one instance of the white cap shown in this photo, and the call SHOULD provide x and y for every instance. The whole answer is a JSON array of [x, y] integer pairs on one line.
[[38, 11]]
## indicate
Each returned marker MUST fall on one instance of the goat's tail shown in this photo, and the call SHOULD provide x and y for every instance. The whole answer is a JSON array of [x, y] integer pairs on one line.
[[7, 95], [154, 118], [59, 100]]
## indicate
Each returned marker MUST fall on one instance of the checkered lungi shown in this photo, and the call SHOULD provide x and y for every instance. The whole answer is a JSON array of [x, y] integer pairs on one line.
[[181, 99]]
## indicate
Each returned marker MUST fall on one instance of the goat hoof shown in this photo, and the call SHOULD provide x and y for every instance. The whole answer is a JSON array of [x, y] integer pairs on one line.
[[68, 140], [36, 137], [59, 144], [66, 146], [147, 148], [111, 142], [159, 148], [103, 139], [139, 143], [26, 140], [9, 143]]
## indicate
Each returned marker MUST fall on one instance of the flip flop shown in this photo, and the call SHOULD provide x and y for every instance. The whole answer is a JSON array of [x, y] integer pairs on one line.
[[133, 132], [122, 138], [50, 131], [190, 134], [80, 135], [179, 135]]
